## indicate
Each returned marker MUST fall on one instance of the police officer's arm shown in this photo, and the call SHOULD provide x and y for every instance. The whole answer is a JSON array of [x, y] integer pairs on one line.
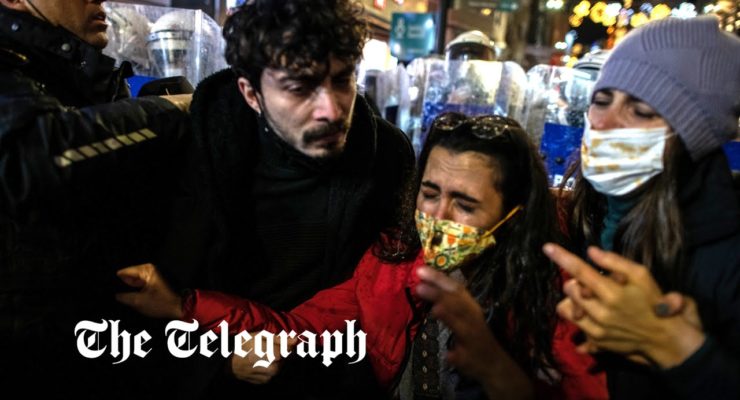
[[43, 145]]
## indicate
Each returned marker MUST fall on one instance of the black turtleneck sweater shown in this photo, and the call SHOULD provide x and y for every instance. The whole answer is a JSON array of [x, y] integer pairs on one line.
[[291, 192]]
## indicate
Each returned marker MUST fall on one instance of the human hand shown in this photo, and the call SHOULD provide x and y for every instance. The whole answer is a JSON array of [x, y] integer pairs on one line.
[[181, 101], [154, 298], [243, 368], [672, 304], [622, 317], [476, 352]]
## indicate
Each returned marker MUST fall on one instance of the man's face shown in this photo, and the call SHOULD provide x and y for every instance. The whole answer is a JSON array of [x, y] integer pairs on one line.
[[311, 112], [84, 18]]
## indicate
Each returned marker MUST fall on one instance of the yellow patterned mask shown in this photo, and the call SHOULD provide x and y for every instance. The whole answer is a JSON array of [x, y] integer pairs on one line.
[[448, 245]]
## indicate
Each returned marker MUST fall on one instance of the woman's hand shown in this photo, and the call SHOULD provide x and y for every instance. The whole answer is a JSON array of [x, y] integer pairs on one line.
[[624, 316], [476, 352], [154, 298]]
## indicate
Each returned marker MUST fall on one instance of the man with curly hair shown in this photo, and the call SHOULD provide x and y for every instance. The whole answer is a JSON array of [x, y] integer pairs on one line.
[[297, 178]]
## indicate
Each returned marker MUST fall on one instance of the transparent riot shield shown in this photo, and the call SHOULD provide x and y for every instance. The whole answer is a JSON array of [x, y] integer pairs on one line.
[[163, 41], [392, 95], [380, 88], [379, 78], [417, 71], [556, 105], [472, 88]]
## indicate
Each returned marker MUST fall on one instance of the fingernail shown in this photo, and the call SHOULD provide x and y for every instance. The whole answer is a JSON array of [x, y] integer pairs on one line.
[[568, 288], [548, 249]]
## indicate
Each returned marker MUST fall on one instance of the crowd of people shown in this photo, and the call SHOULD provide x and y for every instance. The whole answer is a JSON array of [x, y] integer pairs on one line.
[[276, 199]]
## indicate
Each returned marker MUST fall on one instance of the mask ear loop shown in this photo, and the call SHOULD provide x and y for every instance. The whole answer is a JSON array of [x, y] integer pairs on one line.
[[506, 218]]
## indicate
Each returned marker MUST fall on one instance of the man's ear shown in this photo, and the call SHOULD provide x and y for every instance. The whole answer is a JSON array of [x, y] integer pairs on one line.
[[17, 5], [249, 93]]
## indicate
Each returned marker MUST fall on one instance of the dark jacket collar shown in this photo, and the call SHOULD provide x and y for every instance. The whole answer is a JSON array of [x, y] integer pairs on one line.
[[60, 55], [227, 129], [710, 205], [36, 35]]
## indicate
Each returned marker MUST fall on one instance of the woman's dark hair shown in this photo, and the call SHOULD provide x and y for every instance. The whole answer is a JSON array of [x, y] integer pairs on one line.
[[652, 232], [513, 280], [296, 35]]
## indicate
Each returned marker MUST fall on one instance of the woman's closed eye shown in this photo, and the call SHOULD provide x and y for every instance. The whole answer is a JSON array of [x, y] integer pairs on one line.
[[429, 195], [465, 207], [601, 102], [644, 111]]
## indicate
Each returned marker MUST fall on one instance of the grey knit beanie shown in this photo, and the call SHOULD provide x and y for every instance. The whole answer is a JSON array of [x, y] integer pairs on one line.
[[688, 70]]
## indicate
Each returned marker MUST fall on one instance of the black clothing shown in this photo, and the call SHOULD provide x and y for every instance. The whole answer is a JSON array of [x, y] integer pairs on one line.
[[290, 193], [711, 216], [82, 183], [284, 226]]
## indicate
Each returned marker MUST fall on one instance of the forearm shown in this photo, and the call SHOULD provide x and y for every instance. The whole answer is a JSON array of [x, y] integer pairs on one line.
[[326, 311], [210, 308], [46, 145]]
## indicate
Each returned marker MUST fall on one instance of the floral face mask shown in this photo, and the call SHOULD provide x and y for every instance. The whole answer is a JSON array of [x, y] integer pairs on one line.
[[448, 245]]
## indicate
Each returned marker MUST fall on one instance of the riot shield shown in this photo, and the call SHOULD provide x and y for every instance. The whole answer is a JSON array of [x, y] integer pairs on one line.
[[472, 88], [557, 101], [164, 42]]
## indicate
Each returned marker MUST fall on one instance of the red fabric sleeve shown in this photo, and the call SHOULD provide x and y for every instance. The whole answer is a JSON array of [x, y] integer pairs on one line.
[[327, 310], [577, 380]]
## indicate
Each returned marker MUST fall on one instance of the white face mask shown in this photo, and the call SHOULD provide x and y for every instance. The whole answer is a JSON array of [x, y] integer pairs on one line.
[[618, 161]]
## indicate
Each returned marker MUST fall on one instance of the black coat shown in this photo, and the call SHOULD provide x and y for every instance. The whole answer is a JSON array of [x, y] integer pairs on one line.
[[365, 191], [83, 180], [712, 230]]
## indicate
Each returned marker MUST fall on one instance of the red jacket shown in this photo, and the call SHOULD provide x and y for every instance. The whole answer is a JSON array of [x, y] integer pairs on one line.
[[381, 297]]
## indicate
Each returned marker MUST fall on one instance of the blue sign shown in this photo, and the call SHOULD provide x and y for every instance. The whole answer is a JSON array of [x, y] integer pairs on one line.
[[559, 147], [135, 83], [732, 150], [412, 35]]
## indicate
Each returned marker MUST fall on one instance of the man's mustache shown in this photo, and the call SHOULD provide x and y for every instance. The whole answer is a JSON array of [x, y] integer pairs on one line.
[[325, 131]]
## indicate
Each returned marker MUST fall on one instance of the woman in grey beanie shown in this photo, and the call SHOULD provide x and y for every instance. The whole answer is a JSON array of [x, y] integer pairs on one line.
[[654, 191]]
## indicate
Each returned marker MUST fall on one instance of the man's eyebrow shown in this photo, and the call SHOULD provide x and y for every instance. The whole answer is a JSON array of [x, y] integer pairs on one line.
[[314, 77], [298, 78]]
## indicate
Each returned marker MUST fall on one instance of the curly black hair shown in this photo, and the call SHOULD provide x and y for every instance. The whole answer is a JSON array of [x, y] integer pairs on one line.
[[294, 35]]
